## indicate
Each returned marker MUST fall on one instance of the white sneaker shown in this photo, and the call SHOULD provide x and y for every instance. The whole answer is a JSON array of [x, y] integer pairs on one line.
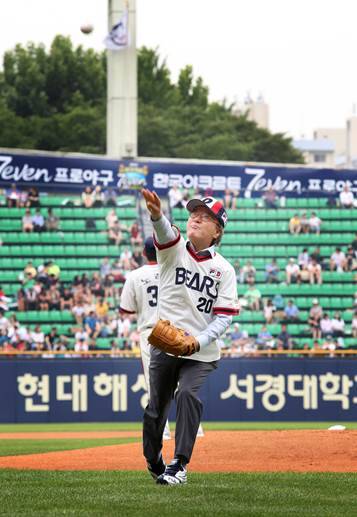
[[200, 433], [175, 474], [167, 434]]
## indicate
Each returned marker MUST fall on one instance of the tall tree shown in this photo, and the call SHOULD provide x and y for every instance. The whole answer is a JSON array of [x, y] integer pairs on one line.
[[56, 100]]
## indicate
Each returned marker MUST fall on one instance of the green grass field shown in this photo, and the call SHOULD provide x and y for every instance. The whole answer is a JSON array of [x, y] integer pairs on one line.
[[103, 493]]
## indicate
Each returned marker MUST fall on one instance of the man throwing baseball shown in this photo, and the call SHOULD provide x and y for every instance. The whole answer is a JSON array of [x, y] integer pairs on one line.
[[198, 294]]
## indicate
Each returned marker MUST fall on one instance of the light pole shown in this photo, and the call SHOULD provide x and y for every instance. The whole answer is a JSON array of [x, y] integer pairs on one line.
[[122, 89]]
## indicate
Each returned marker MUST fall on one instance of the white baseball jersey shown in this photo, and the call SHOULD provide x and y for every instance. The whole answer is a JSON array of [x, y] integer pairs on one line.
[[194, 287], [140, 295]]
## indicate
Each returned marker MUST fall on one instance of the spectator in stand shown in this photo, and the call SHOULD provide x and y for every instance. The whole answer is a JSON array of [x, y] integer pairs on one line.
[[52, 221], [101, 308], [30, 271], [105, 267], [81, 345], [115, 235], [43, 300], [21, 300], [12, 197], [78, 311], [270, 198], [125, 259], [346, 198], [338, 261], [52, 339], [110, 197], [305, 223], [54, 298], [315, 316], [109, 287], [31, 298], [111, 219], [33, 198], [122, 326], [27, 223], [351, 260], [264, 339], [291, 312], [269, 311], [292, 272], [98, 197], [117, 271], [315, 223], [283, 339], [4, 339], [315, 272], [229, 199], [92, 325], [326, 325], [135, 342], [175, 197], [4, 322], [135, 235], [279, 304], [96, 285], [354, 325], [37, 339], [253, 297], [272, 271], [354, 244], [239, 337], [338, 325], [316, 255], [23, 198], [53, 269], [304, 274], [66, 302], [329, 344], [38, 221], [137, 259], [304, 258], [237, 269], [295, 225], [4, 300], [248, 273], [88, 197]]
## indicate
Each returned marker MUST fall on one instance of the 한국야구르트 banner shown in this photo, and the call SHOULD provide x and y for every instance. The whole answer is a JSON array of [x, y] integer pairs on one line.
[[71, 173]]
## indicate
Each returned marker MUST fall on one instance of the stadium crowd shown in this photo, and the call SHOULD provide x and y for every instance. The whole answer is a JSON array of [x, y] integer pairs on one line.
[[93, 299]]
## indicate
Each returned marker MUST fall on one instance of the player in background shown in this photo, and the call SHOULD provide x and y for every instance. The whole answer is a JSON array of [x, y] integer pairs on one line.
[[198, 293]]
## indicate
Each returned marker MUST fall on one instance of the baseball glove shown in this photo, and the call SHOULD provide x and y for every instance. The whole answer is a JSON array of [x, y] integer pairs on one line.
[[172, 340]]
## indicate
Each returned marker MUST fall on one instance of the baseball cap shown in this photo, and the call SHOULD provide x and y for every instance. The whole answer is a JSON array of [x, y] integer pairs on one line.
[[315, 301], [214, 206]]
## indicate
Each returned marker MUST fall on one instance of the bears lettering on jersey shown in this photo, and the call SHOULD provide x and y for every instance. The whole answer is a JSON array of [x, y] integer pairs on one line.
[[195, 282]]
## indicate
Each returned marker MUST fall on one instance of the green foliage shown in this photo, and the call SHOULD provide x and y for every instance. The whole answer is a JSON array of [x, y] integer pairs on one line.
[[56, 100]]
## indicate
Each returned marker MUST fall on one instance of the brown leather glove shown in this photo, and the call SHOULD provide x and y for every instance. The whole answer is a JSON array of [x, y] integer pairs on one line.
[[173, 340]]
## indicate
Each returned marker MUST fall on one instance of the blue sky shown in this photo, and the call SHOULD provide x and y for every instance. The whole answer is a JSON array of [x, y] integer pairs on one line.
[[299, 54]]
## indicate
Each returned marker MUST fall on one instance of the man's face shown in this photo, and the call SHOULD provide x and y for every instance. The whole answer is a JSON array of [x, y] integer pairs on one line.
[[202, 224]]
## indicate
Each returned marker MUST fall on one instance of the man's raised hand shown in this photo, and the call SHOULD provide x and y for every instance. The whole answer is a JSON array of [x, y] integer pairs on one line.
[[153, 203]]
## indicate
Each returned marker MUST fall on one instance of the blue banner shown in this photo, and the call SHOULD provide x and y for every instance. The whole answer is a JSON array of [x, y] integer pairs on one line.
[[63, 173], [102, 390]]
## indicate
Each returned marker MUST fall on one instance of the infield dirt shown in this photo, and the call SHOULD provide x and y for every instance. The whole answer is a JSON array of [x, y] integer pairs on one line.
[[220, 451]]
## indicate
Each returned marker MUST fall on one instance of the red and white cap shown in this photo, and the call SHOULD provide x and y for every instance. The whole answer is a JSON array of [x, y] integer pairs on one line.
[[215, 206]]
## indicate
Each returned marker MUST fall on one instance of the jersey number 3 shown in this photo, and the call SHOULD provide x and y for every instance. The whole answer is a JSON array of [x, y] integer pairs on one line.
[[153, 290]]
